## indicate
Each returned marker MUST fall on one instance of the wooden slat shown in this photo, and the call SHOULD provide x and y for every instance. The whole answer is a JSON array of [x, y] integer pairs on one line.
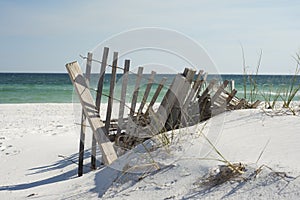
[[230, 96], [189, 74], [123, 96], [198, 78], [201, 83], [196, 85], [255, 104], [207, 90], [158, 119], [220, 89], [241, 104], [193, 91], [223, 103], [147, 91], [219, 103], [232, 85], [168, 103], [81, 144], [111, 90], [91, 112], [93, 153], [184, 93], [156, 94], [98, 102], [83, 118], [102, 75], [136, 91]]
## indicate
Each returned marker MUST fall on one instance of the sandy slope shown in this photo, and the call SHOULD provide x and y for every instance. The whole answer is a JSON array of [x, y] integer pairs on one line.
[[39, 143]]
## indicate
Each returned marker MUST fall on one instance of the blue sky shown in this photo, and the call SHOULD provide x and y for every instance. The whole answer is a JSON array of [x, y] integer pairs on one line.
[[41, 36]]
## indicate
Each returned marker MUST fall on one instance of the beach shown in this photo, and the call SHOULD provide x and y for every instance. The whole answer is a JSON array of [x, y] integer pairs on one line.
[[39, 151], [167, 101]]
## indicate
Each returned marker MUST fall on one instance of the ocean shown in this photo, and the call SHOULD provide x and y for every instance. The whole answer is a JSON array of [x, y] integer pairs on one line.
[[57, 88]]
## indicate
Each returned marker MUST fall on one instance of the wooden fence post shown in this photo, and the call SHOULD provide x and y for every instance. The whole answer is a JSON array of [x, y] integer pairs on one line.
[[123, 96], [111, 91], [83, 118], [98, 102], [136, 91], [232, 87]]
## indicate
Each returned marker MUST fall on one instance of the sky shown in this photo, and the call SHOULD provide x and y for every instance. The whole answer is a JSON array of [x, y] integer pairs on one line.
[[42, 36]]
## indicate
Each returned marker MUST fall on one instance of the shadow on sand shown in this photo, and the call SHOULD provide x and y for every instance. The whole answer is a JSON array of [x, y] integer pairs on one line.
[[59, 165]]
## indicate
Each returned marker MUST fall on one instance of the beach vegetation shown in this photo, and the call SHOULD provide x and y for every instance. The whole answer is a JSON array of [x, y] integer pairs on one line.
[[250, 79], [269, 93], [270, 97], [293, 88]]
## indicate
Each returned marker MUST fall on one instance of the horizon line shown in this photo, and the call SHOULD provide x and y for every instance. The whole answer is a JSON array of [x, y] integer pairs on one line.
[[227, 73]]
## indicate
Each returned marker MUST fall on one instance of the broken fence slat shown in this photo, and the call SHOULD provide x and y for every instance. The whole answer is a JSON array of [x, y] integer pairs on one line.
[[198, 78], [255, 104], [168, 102], [183, 94], [207, 90], [90, 110], [196, 84], [201, 83], [220, 90], [192, 93], [147, 91], [219, 104], [159, 118], [189, 74], [231, 95], [156, 94]]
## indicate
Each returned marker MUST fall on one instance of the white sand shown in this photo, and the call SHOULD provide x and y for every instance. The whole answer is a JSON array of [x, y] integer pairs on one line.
[[34, 137]]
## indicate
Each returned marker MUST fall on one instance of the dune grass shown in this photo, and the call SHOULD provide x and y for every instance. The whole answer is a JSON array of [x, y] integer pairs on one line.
[[293, 88], [250, 79], [270, 95]]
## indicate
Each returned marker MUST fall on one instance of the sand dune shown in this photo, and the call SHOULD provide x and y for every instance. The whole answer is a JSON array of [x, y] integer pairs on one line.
[[39, 145]]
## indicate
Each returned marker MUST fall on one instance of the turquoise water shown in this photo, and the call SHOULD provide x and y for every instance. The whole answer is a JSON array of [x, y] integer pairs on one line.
[[35, 88], [267, 85], [57, 88]]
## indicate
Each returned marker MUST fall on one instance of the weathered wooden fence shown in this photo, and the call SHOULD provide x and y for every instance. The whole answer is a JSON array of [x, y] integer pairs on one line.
[[188, 100]]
